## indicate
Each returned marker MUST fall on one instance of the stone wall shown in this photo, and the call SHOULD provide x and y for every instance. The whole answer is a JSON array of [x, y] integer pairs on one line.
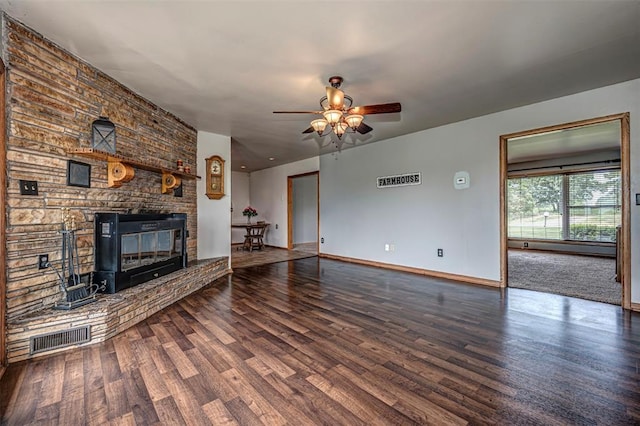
[[52, 99]]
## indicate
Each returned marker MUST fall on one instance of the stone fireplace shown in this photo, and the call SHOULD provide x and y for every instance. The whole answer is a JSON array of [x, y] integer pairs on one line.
[[52, 99]]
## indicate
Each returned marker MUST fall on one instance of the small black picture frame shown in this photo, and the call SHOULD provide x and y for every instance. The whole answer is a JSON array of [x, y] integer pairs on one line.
[[78, 174], [177, 192]]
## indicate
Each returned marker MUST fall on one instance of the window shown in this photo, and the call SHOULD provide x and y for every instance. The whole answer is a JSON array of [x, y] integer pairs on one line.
[[594, 206], [582, 206], [534, 209]]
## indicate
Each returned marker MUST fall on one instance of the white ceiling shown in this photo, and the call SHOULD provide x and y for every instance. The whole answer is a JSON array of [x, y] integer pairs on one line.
[[224, 66]]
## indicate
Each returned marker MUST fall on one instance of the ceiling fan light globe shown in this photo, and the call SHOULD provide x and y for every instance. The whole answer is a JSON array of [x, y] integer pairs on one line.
[[354, 120], [332, 116], [319, 125], [340, 128]]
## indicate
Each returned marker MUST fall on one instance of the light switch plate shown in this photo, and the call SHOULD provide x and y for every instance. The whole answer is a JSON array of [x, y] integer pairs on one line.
[[28, 187]]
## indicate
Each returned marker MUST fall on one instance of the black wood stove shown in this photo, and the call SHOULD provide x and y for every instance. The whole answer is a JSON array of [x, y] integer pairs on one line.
[[133, 248]]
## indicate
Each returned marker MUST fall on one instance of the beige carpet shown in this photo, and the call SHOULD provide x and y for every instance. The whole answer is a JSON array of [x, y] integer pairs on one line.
[[585, 277]]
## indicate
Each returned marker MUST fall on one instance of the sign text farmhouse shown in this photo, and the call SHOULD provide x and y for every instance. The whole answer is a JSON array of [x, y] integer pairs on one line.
[[399, 180]]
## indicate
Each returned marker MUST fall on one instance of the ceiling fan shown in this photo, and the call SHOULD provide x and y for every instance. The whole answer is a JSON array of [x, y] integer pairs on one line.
[[339, 113]]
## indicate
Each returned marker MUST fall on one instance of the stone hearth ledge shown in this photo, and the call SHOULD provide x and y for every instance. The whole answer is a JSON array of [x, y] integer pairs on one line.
[[113, 313]]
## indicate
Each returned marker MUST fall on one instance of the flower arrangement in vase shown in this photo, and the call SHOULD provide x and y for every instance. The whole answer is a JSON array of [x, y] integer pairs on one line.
[[249, 212]]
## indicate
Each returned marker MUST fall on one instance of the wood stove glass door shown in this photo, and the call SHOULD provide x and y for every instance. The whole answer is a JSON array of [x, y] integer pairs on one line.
[[165, 243], [130, 251], [149, 245]]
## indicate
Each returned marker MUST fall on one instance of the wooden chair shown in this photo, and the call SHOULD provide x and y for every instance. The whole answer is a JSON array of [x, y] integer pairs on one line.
[[254, 239]]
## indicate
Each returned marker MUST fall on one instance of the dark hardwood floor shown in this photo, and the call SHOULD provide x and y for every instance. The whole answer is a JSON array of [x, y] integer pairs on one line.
[[317, 341]]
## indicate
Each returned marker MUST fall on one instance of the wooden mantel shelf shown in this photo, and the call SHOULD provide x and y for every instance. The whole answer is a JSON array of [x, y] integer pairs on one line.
[[107, 156], [120, 168]]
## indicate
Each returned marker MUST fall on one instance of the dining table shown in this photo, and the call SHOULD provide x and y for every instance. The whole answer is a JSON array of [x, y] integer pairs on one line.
[[252, 229]]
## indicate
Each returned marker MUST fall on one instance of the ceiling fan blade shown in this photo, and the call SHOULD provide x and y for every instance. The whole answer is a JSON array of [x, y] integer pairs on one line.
[[297, 112], [363, 129], [376, 109], [309, 130], [335, 97]]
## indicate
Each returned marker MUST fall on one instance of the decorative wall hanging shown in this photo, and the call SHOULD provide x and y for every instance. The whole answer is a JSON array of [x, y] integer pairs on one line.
[[399, 180], [103, 135], [177, 192], [78, 174]]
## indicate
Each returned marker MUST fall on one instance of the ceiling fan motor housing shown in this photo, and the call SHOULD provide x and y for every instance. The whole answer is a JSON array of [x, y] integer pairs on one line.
[[335, 81]]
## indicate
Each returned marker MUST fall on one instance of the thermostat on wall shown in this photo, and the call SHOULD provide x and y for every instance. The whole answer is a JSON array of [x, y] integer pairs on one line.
[[461, 180]]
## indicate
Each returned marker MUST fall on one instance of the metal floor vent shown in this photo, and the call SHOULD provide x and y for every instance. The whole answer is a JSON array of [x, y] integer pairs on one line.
[[59, 339]]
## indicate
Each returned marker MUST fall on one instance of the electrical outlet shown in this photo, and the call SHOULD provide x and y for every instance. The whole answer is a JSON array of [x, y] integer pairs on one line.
[[526, 245], [321, 240], [440, 253], [28, 187], [392, 247], [386, 247], [43, 261], [276, 226]]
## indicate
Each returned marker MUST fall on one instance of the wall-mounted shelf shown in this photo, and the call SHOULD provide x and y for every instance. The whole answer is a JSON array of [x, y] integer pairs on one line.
[[120, 168]]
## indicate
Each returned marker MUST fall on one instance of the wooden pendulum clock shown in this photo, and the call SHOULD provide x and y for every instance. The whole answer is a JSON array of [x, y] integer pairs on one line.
[[215, 177]]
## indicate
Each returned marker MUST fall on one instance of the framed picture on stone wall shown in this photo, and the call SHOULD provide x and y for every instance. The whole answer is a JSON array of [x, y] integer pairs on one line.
[[78, 174], [177, 192]]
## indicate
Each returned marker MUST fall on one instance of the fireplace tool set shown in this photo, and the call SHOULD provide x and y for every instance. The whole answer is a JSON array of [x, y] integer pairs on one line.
[[76, 289]]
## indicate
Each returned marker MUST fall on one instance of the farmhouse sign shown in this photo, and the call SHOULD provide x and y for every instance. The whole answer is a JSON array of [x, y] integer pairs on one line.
[[399, 180]]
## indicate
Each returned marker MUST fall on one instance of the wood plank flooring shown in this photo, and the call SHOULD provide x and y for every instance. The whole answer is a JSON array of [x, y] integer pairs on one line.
[[318, 341]]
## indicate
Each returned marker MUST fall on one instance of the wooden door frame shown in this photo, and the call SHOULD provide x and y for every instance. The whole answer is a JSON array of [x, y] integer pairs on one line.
[[625, 171], [3, 222], [290, 207]]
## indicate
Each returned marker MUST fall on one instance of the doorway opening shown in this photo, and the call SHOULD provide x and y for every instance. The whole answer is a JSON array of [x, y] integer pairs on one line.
[[565, 196], [303, 212]]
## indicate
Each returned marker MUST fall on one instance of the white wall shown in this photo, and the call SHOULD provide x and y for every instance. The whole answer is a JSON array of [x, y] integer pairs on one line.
[[305, 209], [357, 219], [269, 196], [214, 216], [239, 200]]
